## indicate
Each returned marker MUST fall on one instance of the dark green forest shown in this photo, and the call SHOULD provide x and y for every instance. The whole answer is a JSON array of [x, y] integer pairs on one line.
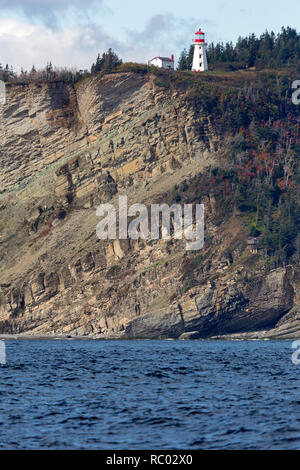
[[270, 50]]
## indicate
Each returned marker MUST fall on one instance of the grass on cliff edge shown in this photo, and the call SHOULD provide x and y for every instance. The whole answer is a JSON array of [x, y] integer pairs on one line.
[[186, 79], [189, 79]]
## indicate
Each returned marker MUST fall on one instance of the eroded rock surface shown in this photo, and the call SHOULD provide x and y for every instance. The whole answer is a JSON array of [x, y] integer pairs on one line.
[[64, 150]]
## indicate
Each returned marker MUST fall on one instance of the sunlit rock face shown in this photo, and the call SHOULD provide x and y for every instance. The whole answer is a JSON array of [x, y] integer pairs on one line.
[[65, 150]]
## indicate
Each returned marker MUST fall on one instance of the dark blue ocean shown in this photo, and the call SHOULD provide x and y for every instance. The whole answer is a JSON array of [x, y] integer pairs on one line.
[[149, 395]]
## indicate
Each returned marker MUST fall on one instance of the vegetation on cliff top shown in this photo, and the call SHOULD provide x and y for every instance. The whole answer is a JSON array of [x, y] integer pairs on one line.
[[267, 51]]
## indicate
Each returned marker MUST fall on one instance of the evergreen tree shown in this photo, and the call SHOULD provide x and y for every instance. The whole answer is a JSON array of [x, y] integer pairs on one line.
[[182, 63], [266, 51], [98, 66], [190, 58], [108, 62]]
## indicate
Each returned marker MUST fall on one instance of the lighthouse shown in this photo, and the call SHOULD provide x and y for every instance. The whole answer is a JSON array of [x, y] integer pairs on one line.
[[200, 57]]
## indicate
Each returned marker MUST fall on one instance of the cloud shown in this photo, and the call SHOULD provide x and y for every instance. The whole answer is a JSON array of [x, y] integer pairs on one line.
[[50, 10], [156, 28], [23, 44], [168, 32]]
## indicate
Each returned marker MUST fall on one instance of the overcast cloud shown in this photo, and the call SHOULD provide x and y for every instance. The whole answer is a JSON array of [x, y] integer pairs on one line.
[[48, 11], [23, 45], [167, 29]]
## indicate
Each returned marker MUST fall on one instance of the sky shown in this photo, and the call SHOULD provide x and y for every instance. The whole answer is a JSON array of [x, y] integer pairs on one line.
[[72, 32]]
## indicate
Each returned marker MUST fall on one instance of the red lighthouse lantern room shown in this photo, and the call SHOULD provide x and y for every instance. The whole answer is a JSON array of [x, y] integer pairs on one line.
[[200, 36]]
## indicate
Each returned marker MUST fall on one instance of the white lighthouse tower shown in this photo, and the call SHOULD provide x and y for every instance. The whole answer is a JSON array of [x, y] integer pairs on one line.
[[200, 57]]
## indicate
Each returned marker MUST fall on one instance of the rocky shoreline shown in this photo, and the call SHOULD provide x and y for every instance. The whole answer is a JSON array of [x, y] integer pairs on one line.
[[275, 334]]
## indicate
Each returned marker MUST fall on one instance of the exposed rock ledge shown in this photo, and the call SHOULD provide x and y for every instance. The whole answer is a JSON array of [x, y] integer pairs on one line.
[[264, 309]]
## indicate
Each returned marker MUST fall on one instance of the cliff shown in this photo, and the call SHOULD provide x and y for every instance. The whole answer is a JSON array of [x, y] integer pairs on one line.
[[66, 149]]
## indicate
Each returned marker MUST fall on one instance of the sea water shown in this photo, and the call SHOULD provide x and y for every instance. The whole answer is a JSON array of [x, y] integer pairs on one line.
[[149, 395]]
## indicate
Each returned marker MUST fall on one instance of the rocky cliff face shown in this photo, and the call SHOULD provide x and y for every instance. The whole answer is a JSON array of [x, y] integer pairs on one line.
[[64, 150]]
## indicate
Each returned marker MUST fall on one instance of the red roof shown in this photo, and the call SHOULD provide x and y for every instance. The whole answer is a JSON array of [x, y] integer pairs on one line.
[[200, 32]]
